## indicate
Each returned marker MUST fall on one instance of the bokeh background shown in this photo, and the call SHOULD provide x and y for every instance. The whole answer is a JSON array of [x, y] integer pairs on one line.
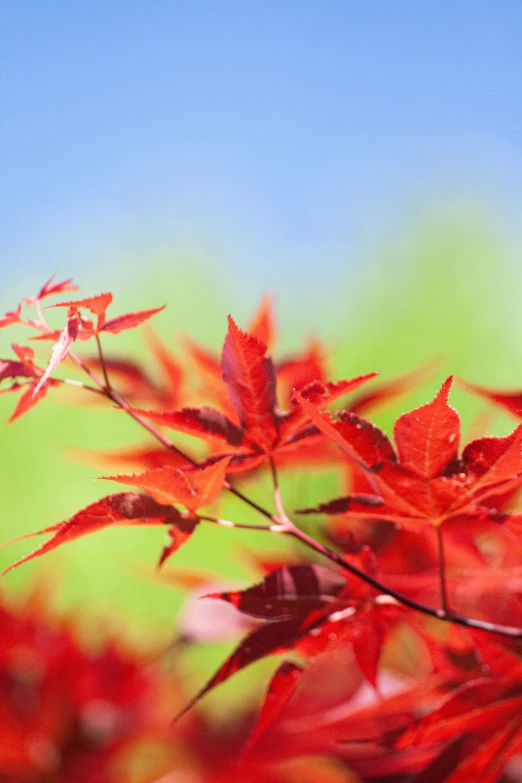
[[360, 160]]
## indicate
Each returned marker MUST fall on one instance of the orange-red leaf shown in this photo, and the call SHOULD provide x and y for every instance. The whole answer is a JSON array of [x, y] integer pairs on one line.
[[192, 489], [95, 304], [128, 320]]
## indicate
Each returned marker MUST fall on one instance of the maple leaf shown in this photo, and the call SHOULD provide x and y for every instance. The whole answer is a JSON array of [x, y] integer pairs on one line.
[[10, 318], [51, 288], [307, 609], [425, 481], [128, 320], [190, 488], [261, 430], [95, 304], [485, 713], [510, 401], [123, 508]]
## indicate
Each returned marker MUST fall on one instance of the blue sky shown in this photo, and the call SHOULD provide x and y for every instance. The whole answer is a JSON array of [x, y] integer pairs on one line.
[[267, 134]]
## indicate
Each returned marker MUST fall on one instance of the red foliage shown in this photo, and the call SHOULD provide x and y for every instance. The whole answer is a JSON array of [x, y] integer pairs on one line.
[[401, 646]]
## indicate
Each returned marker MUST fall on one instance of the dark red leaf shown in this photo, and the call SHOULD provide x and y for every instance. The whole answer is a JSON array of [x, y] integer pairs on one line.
[[291, 591], [201, 422], [250, 377], [356, 502], [123, 508]]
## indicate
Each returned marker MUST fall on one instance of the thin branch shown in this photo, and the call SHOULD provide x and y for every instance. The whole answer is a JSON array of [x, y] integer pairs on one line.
[[239, 526], [284, 525], [440, 614], [277, 494], [102, 362]]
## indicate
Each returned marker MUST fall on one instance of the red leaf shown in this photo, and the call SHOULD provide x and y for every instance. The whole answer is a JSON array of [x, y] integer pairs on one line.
[[427, 438], [30, 398], [122, 508], [179, 534], [291, 591], [430, 484], [49, 288], [201, 422], [11, 317], [128, 321], [281, 689], [298, 371], [12, 369], [250, 377], [357, 502], [509, 400], [192, 489], [95, 304]]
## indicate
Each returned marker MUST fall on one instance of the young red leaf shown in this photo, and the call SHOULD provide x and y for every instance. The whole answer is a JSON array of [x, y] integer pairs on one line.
[[60, 349], [95, 304], [128, 321], [250, 377], [427, 438], [30, 397], [192, 489], [356, 502], [49, 289], [11, 318], [123, 508]]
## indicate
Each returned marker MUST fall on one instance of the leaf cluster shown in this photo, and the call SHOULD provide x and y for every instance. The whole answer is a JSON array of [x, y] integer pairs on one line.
[[419, 550]]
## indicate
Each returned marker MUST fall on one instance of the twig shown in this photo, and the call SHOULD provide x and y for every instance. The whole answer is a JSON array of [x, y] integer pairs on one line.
[[102, 362]]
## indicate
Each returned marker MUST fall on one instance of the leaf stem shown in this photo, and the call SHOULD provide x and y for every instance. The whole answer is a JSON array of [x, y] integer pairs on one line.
[[102, 362], [239, 526]]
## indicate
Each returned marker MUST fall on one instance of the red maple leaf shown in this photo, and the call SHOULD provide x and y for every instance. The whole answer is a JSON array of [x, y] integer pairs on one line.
[[261, 430], [425, 481]]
